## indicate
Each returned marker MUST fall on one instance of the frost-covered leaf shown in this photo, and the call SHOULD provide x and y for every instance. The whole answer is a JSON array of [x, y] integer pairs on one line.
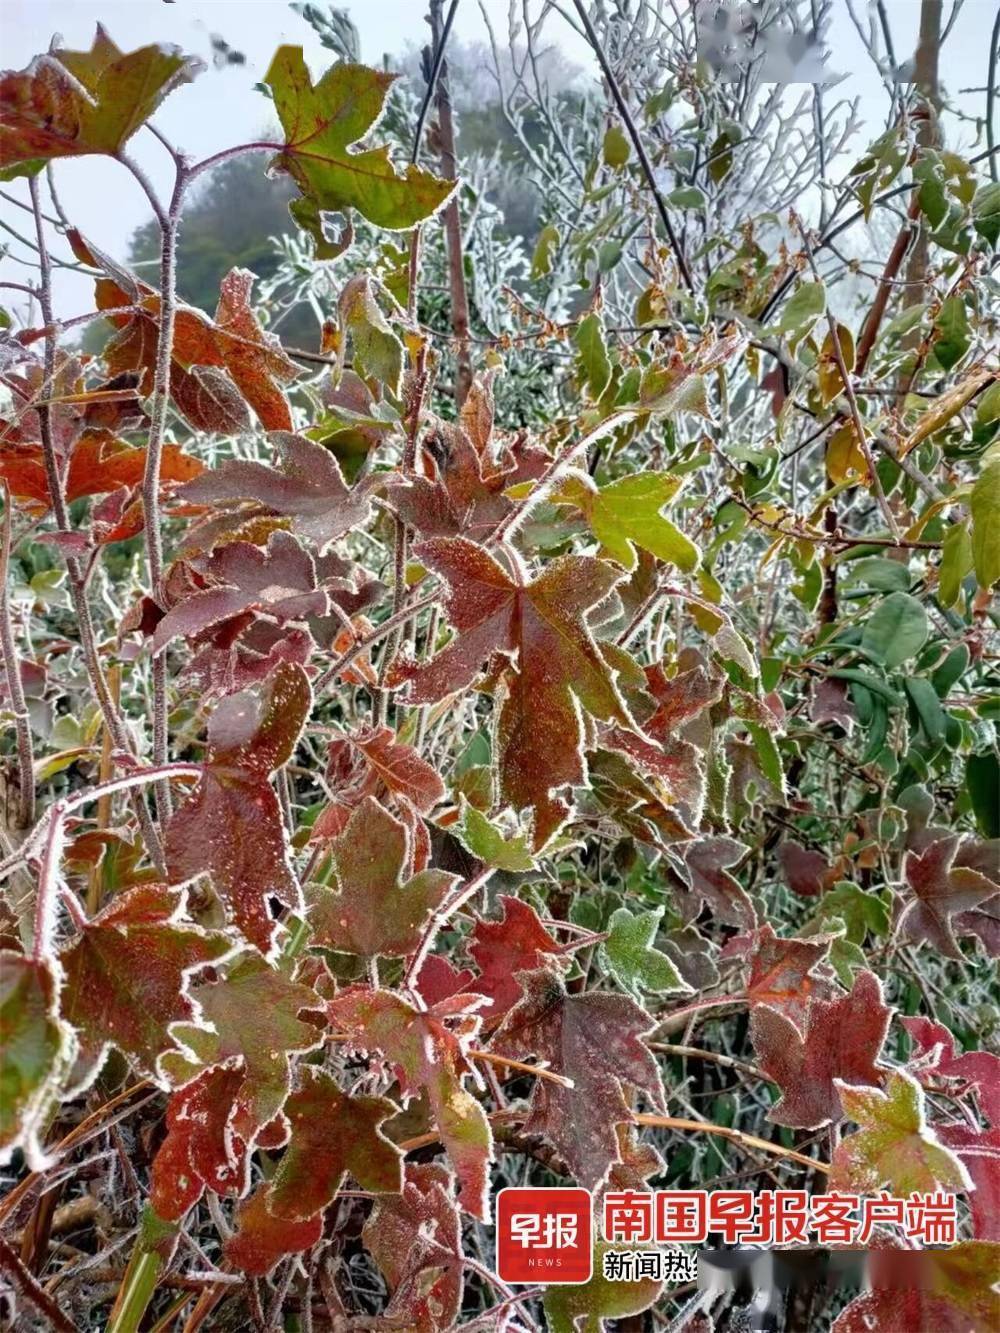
[[628, 513], [38, 1048], [806, 872], [949, 1290], [941, 889], [416, 1240], [630, 956], [518, 942], [262, 1239], [231, 826], [584, 1307], [542, 627], [712, 885], [372, 906], [428, 1051], [331, 1134], [595, 1040], [487, 843], [935, 1056], [69, 103], [126, 974], [894, 1146], [250, 1019], [843, 1040], [310, 489], [323, 121], [781, 973]]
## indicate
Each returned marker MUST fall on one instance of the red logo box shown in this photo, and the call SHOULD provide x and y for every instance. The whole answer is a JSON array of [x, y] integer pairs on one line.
[[545, 1235]]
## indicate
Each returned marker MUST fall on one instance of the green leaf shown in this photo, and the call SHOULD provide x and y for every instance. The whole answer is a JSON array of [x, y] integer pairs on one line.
[[322, 122], [71, 103], [616, 148], [629, 955], [583, 1308], [688, 196], [485, 841], [894, 1146], [377, 352], [927, 705], [956, 563], [541, 260], [984, 505], [895, 631], [860, 911], [986, 212], [803, 310], [627, 513], [952, 332], [37, 1049], [877, 572], [988, 408], [592, 355], [982, 779]]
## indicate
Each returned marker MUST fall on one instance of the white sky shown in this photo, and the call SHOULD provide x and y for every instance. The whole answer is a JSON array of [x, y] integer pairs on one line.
[[221, 107]]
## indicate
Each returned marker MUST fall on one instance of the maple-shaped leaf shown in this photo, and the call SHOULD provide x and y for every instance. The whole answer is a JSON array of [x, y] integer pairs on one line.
[[217, 367], [438, 979], [941, 889], [464, 494], [674, 764], [781, 973], [416, 1240], [372, 761], [38, 1049], [629, 954], [950, 1290], [584, 1307], [680, 698], [126, 974], [323, 121], [518, 942], [712, 886], [935, 1056], [98, 464], [542, 626], [428, 1056], [894, 1145], [806, 872], [843, 1040], [250, 1016], [331, 1134], [70, 103], [488, 844], [371, 907], [278, 580], [262, 1239], [310, 489], [628, 513], [596, 1041], [231, 826]]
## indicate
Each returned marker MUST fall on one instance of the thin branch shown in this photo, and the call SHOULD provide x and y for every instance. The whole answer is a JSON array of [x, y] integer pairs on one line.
[[15, 688]]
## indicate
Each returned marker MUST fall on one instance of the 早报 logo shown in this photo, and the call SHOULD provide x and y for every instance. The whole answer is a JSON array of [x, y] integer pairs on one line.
[[545, 1235]]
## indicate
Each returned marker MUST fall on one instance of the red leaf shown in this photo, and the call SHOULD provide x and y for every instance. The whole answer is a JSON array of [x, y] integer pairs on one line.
[[262, 1240], [310, 489], [941, 888], [595, 1040], [416, 1240], [232, 826], [781, 973], [518, 942], [332, 1134], [806, 872], [542, 626], [935, 1055], [126, 974], [370, 908], [843, 1040], [429, 1056], [712, 885]]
